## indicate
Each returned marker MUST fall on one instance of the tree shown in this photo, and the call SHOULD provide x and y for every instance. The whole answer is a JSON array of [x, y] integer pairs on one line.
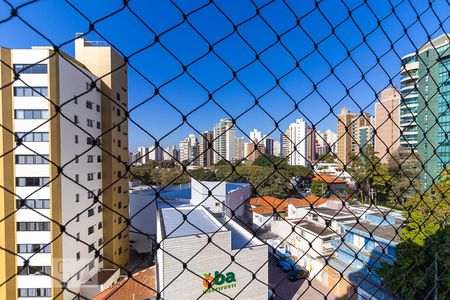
[[403, 168], [268, 161], [318, 187], [370, 175], [425, 245], [203, 175], [328, 158]]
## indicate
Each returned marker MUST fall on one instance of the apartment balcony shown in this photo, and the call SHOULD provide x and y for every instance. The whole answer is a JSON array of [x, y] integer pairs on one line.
[[409, 77], [410, 67]]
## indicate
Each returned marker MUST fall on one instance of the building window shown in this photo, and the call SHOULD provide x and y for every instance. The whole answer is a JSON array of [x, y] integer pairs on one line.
[[33, 248], [91, 264], [98, 107], [119, 189], [77, 197], [100, 225], [90, 195], [34, 270], [99, 175], [89, 123], [90, 230], [36, 91], [91, 247], [76, 159], [90, 176], [33, 136], [118, 96], [32, 159], [76, 139], [98, 125], [34, 292], [119, 144], [33, 226], [77, 178], [91, 212], [78, 256], [100, 241], [30, 114], [90, 158], [33, 203], [31, 181], [100, 209], [30, 68], [89, 104], [78, 236], [75, 119], [99, 158]]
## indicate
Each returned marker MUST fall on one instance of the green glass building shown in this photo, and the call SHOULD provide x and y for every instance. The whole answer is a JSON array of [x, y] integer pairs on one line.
[[425, 106]]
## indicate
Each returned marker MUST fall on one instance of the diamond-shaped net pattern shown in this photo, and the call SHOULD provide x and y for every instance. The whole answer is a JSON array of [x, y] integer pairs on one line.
[[296, 213]]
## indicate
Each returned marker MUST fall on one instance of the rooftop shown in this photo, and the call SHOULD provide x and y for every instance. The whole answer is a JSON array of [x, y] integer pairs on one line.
[[188, 220], [329, 179], [389, 232], [334, 213], [314, 227]]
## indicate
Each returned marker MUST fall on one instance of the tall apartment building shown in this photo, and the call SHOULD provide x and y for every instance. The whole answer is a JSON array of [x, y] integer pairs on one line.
[[105, 63], [254, 149], [170, 153], [326, 142], [205, 149], [296, 146], [256, 135], [311, 141], [189, 150], [350, 138], [425, 97], [240, 148], [365, 135], [54, 114], [268, 144], [224, 141], [276, 148], [387, 117], [285, 142]]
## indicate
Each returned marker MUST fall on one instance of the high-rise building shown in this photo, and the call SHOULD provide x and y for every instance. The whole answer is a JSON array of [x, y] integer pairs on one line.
[[425, 98], [276, 148], [189, 151], [254, 149], [365, 135], [240, 148], [108, 65], [170, 153], [326, 142], [205, 149], [350, 138], [387, 117], [311, 154], [285, 142], [297, 144], [32, 108], [224, 141], [256, 135], [268, 144], [143, 155], [155, 153]]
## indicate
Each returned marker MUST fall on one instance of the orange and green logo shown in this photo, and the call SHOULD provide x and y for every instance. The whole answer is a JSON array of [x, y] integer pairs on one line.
[[219, 281]]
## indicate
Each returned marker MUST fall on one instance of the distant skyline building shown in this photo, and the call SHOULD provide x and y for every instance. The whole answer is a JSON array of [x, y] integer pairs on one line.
[[170, 153], [425, 97], [240, 148], [311, 143], [349, 134], [268, 144], [189, 150], [276, 148], [255, 135], [326, 142], [224, 141], [297, 144], [205, 149], [387, 122], [285, 142]]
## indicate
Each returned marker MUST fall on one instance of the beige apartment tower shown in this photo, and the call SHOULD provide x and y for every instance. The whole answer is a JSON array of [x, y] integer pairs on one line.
[[387, 117], [349, 136], [206, 153], [59, 186], [108, 65]]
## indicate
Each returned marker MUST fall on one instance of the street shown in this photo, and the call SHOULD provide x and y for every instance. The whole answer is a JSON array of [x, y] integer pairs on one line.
[[300, 289]]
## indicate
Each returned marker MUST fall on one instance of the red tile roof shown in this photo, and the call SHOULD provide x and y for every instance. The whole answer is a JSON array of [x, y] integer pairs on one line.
[[139, 287], [329, 179], [265, 205]]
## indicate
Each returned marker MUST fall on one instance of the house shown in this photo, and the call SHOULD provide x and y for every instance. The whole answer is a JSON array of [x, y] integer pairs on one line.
[[335, 185], [367, 244]]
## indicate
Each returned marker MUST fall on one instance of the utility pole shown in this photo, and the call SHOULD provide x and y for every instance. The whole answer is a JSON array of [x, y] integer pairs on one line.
[[436, 276]]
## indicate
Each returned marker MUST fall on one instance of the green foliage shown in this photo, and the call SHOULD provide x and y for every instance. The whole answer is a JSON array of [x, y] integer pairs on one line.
[[369, 174], [222, 162], [328, 158], [269, 161], [427, 233], [318, 187]]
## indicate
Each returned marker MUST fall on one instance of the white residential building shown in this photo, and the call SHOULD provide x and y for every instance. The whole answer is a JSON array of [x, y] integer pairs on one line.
[[224, 141], [297, 143], [276, 148], [189, 150]]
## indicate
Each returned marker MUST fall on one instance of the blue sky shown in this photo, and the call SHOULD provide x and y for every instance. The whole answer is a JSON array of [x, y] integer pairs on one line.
[[206, 25]]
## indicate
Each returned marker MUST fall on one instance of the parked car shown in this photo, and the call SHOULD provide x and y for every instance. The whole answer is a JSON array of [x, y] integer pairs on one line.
[[298, 273], [286, 262]]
